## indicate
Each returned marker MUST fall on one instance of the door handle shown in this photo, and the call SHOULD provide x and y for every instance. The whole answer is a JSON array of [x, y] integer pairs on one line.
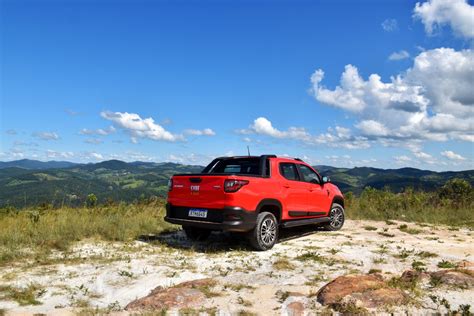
[[286, 186]]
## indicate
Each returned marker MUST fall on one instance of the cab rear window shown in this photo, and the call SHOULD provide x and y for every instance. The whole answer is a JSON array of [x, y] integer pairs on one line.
[[249, 166]]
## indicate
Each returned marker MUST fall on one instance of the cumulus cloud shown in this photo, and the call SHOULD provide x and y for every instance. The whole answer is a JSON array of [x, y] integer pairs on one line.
[[101, 131], [422, 155], [403, 54], [432, 100], [452, 155], [372, 128], [46, 135], [138, 127], [198, 132], [458, 14], [264, 127], [389, 25], [335, 137]]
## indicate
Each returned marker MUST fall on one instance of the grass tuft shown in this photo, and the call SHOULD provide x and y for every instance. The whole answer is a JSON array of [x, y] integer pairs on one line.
[[24, 296]]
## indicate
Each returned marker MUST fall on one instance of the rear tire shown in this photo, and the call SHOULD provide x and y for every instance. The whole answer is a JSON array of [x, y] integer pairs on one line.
[[195, 233], [337, 216], [265, 234]]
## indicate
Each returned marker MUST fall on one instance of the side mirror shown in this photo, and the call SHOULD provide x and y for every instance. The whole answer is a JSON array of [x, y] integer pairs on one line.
[[326, 179]]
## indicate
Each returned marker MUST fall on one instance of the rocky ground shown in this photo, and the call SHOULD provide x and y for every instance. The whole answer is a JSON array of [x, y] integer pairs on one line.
[[367, 267]]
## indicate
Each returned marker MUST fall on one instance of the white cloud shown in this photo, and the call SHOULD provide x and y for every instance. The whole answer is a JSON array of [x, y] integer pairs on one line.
[[264, 127], [347, 96], [458, 14], [422, 155], [335, 137], [402, 159], [390, 25], [46, 135], [339, 137], [432, 100], [11, 132], [96, 156], [100, 131], [138, 127], [403, 54], [452, 155], [52, 154], [198, 132], [193, 159], [372, 128]]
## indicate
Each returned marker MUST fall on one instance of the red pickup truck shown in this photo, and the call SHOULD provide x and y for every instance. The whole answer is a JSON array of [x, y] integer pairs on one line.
[[255, 195]]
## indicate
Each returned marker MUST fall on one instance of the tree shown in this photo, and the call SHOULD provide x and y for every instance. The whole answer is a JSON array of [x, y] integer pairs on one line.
[[91, 200], [458, 191]]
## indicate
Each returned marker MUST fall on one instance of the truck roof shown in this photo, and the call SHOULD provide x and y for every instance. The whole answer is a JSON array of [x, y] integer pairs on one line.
[[261, 156]]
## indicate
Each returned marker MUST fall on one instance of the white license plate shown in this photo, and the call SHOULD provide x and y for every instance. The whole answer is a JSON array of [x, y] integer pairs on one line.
[[197, 213]]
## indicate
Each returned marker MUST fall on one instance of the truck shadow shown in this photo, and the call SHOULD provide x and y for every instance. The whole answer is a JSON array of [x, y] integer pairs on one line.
[[222, 241]]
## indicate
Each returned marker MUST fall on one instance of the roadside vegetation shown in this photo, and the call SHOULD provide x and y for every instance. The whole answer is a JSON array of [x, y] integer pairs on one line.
[[35, 232], [452, 204]]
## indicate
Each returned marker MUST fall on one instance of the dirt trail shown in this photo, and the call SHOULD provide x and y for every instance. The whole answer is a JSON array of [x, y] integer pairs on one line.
[[284, 280]]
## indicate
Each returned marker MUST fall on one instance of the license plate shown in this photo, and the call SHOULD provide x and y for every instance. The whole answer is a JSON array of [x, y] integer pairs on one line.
[[197, 213]]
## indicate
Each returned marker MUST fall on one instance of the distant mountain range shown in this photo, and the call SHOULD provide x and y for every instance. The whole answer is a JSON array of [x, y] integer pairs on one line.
[[30, 182], [35, 164]]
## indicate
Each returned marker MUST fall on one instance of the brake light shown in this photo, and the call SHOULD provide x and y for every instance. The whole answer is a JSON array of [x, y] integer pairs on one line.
[[234, 185], [170, 185]]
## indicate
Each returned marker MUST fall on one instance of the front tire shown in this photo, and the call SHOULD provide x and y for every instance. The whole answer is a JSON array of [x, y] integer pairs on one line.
[[196, 234], [337, 216], [265, 234]]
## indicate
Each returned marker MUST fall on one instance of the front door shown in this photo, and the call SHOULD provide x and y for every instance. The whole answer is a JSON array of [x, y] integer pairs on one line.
[[317, 195]]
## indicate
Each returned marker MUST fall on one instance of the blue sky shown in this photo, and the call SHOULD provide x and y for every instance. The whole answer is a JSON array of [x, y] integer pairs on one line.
[[186, 81]]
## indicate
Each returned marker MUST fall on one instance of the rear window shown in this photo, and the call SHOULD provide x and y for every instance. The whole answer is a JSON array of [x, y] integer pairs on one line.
[[250, 166]]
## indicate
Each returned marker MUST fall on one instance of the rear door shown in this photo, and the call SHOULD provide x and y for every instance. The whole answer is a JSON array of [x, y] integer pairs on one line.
[[317, 195], [294, 190]]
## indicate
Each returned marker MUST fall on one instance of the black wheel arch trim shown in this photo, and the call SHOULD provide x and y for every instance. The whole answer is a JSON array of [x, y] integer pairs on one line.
[[270, 202], [337, 199]]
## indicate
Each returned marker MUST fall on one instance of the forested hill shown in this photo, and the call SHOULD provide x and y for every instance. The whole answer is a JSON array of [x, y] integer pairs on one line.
[[30, 182]]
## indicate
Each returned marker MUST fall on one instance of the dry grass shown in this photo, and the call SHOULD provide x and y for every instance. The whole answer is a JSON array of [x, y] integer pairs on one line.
[[31, 233], [411, 206]]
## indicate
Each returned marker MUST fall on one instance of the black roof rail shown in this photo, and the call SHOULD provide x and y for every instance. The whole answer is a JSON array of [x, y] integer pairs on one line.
[[298, 159]]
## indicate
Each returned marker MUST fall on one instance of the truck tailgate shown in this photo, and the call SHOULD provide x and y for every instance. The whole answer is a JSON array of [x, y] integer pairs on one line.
[[199, 191]]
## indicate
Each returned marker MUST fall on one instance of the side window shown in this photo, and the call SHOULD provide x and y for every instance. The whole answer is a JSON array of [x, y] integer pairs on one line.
[[308, 174], [288, 171]]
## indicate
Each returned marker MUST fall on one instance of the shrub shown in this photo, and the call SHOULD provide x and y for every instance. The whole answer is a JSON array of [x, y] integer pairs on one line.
[[91, 200]]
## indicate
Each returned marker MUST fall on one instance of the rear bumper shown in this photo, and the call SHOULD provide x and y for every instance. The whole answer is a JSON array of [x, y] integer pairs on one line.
[[234, 219]]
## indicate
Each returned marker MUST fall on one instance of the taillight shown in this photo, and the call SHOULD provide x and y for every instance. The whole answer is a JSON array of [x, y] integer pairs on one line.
[[170, 185], [234, 185]]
